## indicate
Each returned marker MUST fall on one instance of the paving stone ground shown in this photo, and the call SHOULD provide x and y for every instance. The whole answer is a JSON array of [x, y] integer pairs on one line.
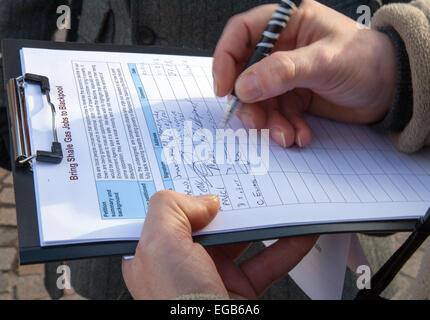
[[27, 282], [16, 281]]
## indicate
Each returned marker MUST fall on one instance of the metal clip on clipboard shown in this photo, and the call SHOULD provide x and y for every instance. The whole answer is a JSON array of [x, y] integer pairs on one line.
[[23, 154]]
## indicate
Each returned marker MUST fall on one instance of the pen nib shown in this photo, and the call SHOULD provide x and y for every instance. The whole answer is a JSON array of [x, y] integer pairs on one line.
[[224, 121], [232, 105]]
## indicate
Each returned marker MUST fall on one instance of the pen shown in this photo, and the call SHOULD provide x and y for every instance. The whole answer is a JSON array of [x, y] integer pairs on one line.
[[276, 24]]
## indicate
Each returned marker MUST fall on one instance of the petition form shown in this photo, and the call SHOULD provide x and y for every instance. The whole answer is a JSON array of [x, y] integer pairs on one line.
[[116, 113]]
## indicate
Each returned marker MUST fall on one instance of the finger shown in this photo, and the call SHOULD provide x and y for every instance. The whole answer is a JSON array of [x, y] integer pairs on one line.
[[292, 105], [252, 115], [303, 132], [235, 281], [236, 43], [283, 71], [168, 209], [276, 261], [281, 131], [233, 251]]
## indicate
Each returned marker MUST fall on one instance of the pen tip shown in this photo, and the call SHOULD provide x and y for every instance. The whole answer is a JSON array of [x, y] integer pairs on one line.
[[232, 105]]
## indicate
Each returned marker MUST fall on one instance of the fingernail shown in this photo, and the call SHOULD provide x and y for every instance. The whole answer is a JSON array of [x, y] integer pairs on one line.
[[215, 84], [279, 136], [248, 87], [208, 197], [299, 142], [247, 120]]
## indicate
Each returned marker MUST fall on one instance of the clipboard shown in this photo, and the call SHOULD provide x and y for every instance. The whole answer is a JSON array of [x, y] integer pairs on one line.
[[30, 250]]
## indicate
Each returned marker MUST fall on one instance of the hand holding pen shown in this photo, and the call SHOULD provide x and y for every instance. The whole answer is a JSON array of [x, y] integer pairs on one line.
[[277, 23], [322, 64]]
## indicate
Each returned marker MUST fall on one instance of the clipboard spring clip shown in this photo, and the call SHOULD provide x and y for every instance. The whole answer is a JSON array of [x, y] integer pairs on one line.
[[19, 122]]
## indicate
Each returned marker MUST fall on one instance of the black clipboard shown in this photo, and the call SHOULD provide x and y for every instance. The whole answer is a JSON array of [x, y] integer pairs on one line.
[[31, 252]]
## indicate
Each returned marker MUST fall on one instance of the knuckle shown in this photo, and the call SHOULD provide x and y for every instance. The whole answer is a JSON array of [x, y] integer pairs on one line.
[[234, 21], [163, 196], [324, 57], [282, 68], [308, 11]]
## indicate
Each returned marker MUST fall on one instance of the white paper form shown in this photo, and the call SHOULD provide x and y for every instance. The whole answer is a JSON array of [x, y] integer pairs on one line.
[[114, 108], [321, 273]]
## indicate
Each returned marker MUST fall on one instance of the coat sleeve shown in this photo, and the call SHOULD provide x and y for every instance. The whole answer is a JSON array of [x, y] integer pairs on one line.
[[411, 22]]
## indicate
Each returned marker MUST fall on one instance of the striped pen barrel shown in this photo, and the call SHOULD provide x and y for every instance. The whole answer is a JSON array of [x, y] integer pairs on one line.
[[276, 24]]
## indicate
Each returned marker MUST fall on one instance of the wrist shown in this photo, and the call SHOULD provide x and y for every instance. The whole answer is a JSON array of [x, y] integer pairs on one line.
[[400, 111], [388, 74]]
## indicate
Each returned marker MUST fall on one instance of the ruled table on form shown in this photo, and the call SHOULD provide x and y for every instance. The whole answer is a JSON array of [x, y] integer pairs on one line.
[[120, 112], [343, 164]]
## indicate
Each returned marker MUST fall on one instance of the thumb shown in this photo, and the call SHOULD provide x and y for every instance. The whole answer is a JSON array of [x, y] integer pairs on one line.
[[169, 207], [281, 72]]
